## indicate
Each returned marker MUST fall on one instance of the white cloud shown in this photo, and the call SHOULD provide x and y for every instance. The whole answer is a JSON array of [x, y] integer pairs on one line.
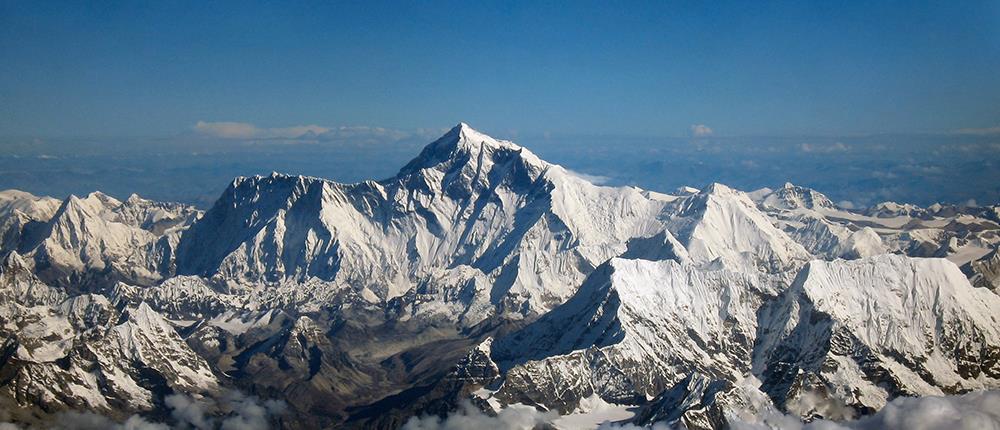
[[92, 421], [515, 417], [593, 179], [819, 148], [250, 413], [233, 410], [972, 411], [979, 131], [978, 410], [700, 130], [243, 130], [361, 135], [188, 412], [227, 130]]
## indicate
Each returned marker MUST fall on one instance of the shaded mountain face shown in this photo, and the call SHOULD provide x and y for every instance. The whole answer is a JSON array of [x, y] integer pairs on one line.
[[483, 275]]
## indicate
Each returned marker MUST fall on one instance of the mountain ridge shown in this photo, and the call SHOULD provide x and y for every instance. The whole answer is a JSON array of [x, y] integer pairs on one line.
[[481, 273]]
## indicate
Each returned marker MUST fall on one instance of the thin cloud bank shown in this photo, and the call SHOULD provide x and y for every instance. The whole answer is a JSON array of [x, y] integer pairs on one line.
[[973, 411], [987, 131], [516, 417], [232, 411], [701, 130], [307, 133], [243, 130], [835, 147], [240, 411], [593, 179], [978, 410]]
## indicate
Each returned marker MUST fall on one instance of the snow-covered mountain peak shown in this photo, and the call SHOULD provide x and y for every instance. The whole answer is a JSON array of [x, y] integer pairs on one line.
[[718, 189], [463, 145], [791, 197], [35, 207], [93, 203], [721, 223], [686, 191]]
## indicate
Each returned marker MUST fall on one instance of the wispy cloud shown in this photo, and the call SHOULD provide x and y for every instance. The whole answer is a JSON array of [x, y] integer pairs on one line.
[[987, 131], [822, 148], [232, 410], [593, 179], [243, 130], [515, 417], [309, 133], [973, 410], [701, 130]]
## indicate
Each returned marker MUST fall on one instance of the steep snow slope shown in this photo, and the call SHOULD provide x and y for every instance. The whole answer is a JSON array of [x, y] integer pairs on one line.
[[633, 329], [20, 214], [985, 272], [364, 304], [868, 330], [791, 197], [723, 224], [35, 207], [91, 242], [19, 285], [82, 353]]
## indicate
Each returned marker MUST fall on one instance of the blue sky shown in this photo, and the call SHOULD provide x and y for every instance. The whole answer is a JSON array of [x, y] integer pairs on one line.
[[619, 68], [865, 101]]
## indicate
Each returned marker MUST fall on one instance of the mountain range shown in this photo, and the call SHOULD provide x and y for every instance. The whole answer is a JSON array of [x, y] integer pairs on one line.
[[483, 275]]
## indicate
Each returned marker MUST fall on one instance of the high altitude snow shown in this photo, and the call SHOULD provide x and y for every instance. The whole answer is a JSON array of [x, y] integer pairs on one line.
[[481, 273]]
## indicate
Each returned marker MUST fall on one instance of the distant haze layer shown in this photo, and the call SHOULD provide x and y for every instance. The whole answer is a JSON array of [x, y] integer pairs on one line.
[[853, 171]]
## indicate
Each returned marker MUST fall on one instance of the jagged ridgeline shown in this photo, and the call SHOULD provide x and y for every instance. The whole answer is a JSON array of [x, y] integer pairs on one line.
[[483, 274]]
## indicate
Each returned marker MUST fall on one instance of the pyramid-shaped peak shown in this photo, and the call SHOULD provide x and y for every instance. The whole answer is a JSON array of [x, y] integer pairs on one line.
[[719, 189], [791, 196], [94, 203], [463, 141], [464, 135]]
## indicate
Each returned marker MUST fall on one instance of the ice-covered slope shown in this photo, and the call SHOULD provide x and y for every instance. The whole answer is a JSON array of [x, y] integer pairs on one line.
[[868, 330], [91, 242], [364, 304], [843, 339], [985, 272], [35, 207], [81, 352], [791, 197], [720, 223], [634, 328], [810, 219], [20, 214], [18, 285], [961, 234], [488, 216]]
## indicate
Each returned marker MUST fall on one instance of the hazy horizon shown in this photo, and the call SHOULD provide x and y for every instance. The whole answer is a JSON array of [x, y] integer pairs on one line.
[[853, 170]]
